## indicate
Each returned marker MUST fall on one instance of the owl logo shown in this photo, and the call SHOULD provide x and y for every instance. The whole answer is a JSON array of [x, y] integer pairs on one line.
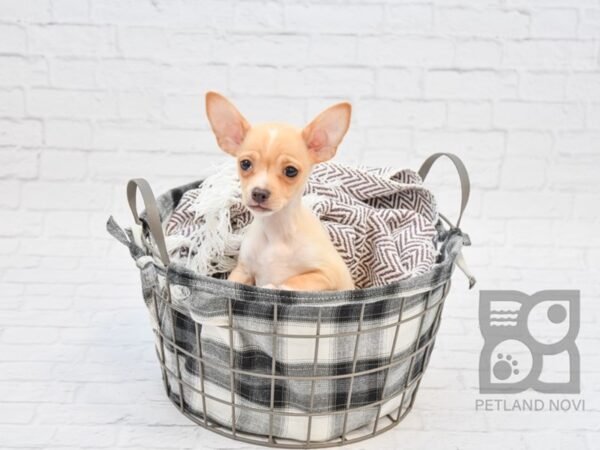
[[529, 342]]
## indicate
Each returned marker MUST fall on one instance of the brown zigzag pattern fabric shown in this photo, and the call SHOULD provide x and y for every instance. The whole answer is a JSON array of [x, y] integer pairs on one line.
[[382, 221]]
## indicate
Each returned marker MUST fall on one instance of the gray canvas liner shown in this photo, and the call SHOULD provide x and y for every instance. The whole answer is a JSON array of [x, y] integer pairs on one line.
[[284, 368]]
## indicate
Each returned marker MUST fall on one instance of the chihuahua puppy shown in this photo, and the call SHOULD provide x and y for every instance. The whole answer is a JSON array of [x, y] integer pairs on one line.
[[285, 246]]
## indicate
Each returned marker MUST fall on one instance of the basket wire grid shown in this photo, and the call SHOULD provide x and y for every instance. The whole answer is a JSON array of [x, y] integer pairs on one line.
[[421, 348]]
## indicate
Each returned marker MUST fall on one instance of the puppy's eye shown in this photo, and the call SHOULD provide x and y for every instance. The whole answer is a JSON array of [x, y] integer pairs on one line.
[[245, 164], [290, 171]]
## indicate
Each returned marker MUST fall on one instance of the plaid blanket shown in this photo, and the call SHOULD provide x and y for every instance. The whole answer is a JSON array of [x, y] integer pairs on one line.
[[347, 340], [298, 357], [380, 220]]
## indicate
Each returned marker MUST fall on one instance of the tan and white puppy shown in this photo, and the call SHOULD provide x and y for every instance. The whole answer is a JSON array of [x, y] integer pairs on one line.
[[285, 246]]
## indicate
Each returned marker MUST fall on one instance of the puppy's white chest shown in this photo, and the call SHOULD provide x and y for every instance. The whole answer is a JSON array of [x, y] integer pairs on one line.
[[272, 261]]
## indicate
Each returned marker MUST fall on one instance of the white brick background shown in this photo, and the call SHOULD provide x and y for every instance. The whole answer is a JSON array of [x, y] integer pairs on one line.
[[94, 92]]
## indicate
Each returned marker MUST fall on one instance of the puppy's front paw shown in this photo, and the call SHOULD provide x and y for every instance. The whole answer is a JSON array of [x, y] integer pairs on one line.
[[283, 287]]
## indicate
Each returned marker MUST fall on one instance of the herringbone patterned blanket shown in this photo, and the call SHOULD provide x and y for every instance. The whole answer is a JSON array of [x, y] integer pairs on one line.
[[380, 220]]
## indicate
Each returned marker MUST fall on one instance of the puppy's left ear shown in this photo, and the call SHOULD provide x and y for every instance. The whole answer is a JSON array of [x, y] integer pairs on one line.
[[326, 131]]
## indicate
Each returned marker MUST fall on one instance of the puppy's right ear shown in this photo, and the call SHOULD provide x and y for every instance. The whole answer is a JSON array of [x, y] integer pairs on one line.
[[227, 123]]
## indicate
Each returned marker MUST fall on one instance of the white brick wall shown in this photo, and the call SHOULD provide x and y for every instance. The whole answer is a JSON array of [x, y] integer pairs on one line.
[[94, 92]]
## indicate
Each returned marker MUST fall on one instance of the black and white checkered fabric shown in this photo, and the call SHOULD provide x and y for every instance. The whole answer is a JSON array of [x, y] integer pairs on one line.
[[318, 363]]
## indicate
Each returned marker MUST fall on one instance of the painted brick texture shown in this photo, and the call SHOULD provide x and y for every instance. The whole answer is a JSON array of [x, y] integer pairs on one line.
[[94, 92]]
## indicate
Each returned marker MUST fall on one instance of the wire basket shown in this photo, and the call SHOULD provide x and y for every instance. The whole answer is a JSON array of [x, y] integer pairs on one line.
[[289, 369]]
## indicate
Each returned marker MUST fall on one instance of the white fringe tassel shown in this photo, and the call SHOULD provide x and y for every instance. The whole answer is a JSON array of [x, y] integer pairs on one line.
[[215, 245]]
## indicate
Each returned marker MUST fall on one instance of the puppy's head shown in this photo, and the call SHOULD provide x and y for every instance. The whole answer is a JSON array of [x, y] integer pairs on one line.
[[275, 160]]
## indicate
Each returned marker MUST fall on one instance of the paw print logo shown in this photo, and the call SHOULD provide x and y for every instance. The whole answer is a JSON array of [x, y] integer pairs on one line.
[[505, 367], [523, 334], [510, 362]]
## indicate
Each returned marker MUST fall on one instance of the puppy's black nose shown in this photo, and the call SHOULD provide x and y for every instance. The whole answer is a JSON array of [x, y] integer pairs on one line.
[[260, 195]]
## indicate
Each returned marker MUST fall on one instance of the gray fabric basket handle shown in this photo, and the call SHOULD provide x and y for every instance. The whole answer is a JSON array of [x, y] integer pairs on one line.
[[153, 217], [465, 187], [465, 184]]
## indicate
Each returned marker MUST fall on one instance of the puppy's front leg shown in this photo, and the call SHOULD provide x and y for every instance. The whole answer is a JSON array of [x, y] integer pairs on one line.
[[310, 281], [241, 275]]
